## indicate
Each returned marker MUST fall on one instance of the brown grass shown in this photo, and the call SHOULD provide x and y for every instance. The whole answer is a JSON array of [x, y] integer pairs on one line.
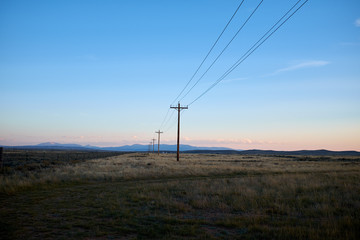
[[144, 166], [200, 197]]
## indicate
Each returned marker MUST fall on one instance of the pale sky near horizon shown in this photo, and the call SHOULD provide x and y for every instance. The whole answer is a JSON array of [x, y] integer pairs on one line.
[[105, 72]]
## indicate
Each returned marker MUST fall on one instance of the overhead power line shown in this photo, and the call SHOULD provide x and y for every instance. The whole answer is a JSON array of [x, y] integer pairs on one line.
[[173, 123], [253, 48], [242, 26], [163, 122], [166, 119], [255, 45], [265, 37], [212, 47]]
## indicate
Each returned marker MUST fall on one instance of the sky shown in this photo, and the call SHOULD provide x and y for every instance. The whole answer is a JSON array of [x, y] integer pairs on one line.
[[105, 73]]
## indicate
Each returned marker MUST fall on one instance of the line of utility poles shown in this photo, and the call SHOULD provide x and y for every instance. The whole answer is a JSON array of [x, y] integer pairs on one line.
[[178, 108], [158, 132]]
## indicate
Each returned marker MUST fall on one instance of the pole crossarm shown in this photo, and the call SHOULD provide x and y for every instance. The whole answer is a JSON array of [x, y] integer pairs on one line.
[[179, 108]]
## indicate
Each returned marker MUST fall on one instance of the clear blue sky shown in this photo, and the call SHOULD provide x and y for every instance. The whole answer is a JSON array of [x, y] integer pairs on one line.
[[105, 72]]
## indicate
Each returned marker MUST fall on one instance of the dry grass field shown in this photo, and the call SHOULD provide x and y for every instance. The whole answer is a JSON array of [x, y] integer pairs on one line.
[[203, 196]]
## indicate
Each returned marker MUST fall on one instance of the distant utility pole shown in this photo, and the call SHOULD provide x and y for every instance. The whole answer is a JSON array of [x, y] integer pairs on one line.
[[153, 141], [158, 132], [178, 108], [150, 147]]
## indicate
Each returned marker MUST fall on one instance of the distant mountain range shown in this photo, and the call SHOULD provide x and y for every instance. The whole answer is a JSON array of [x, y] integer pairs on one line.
[[183, 148], [126, 148]]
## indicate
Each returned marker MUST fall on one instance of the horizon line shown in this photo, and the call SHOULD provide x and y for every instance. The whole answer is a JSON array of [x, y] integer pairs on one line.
[[225, 148]]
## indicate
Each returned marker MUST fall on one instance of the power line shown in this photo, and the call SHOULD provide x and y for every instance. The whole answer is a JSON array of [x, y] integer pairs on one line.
[[223, 49], [167, 113], [209, 52], [168, 120], [162, 123], [251, 50], [254, 45], [173, 123], [165, 120]]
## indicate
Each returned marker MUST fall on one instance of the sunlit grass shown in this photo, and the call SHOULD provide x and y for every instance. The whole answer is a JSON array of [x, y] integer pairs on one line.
[[144, 166]]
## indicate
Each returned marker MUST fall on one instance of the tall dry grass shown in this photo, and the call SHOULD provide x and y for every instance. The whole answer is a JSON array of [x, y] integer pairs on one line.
[[203, 196], [144, 166]]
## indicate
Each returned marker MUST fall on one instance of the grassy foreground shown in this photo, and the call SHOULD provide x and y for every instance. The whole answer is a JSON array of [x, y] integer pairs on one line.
[[139, 196]]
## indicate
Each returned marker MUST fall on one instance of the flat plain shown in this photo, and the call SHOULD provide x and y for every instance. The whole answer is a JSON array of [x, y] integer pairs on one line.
[[203, 196]]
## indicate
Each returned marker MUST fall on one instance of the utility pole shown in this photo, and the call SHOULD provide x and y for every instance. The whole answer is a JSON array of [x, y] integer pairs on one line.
[[158, 132], [153, 141], [178, 108], [150, 147]]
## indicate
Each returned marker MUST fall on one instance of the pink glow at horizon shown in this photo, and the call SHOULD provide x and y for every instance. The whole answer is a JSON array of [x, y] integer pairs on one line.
[[240, 144]]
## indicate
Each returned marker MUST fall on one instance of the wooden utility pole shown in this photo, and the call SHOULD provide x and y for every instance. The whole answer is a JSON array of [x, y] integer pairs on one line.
[[178, 108], [153, 141], [158, 132], [150, 147]]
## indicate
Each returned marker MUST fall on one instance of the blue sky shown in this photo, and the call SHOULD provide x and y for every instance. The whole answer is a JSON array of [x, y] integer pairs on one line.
[[105, 72]]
